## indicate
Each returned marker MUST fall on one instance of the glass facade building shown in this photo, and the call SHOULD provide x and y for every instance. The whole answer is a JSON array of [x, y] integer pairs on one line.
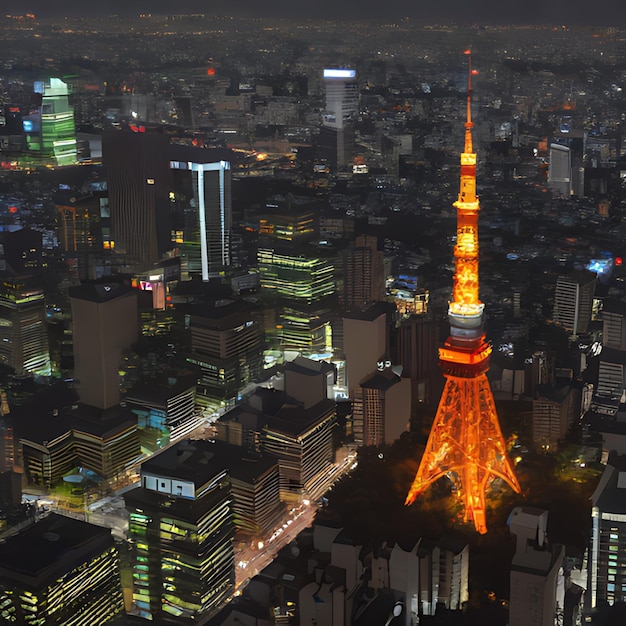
[[57, 131], [294, 276], [23, 330], [181, 531], [202, 217]]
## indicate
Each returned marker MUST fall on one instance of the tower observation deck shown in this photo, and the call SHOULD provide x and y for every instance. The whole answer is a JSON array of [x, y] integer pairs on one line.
[[465, 442]]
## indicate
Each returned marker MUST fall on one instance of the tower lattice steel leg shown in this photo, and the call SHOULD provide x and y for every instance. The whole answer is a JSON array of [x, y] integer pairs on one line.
[[466, 444]]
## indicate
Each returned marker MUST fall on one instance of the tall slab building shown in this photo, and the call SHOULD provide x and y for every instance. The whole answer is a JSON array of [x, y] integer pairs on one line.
[[202, 216], [138, 179], [105, 322]]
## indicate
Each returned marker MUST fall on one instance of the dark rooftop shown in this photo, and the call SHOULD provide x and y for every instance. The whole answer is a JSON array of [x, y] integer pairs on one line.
[[161, 390], [42, 427], [381, 380], [100, 292], [51, 547], [200, 460]]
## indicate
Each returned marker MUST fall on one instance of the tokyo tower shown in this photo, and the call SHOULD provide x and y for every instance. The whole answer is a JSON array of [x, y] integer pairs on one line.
[[465, 441]]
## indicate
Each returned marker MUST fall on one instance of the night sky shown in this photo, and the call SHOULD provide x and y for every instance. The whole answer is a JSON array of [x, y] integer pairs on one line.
[[569, 12]]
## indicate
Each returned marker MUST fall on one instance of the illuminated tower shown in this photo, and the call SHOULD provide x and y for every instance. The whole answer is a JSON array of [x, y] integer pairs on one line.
[[465, 441], [58, 132]]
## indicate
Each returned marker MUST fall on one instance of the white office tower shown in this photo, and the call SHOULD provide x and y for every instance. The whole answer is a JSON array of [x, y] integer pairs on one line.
[[573, 300], [560, 170], [342, 105], [342, 97], [537, 583], [204, 234]]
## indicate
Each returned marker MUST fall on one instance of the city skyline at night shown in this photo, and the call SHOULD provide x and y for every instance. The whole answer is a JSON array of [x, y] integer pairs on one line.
[[552, 12], [243, 315]]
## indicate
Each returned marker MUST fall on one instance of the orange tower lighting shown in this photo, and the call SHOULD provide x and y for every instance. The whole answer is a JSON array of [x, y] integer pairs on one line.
[[465, 441]]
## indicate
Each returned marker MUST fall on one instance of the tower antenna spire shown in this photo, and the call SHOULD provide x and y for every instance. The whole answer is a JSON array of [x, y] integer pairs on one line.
[[465, 442], [468, 120]]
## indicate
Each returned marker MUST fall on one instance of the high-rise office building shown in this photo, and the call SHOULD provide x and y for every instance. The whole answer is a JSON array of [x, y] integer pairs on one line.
[[612, 369], [342, 97], [416, 351], [573, 300], [51, 132], [560, 170], [301, 284], [105, 322], [554, 411], [537, 585], [385, 407], [255, 484], [607, 561], [295, 425], [52, 446], [164, 408], [295, 276], [306, 330], [342, 105], [76, 226], [290, 224], [138, 179], [181, 529], [362, 357], [58, 132], [60, 571], [364, 273], [226, 344], [298, 425], [202, 216], [24, 331]]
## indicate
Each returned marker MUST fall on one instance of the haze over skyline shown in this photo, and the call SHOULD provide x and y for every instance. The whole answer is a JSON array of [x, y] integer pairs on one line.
[[549, 12]]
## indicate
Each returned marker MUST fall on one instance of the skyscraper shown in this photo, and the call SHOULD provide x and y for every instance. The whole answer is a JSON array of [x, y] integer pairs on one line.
[[537, 589], [226, 344], [181, 528], [295, 276], [385, 401], [465, 442], [607, 564], [364, 273], [416, 342], [105, 322], [203, 217], [23, 328], [342, 97], [57, 133], [342, 104], [138, 179], [560, 170], [573, 300]]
